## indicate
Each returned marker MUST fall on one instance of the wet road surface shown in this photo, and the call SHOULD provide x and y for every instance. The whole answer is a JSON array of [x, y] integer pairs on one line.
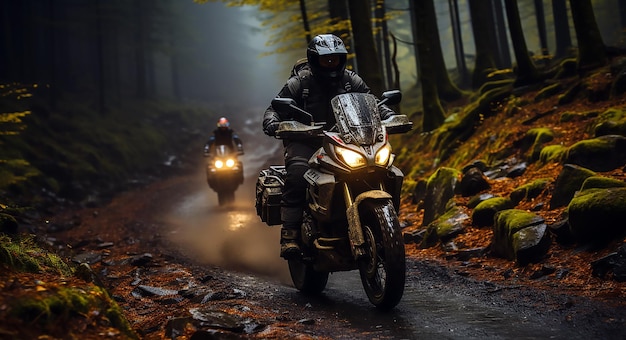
[[434, 305]]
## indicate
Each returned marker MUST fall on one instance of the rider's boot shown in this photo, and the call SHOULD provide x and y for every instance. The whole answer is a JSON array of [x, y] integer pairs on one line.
[[290, 243]]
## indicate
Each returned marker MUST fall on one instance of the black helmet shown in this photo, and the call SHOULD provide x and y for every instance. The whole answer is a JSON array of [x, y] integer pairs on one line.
[[327, 56]]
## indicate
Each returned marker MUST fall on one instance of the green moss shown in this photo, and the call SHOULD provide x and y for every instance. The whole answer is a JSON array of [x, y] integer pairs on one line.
[[548, 91], [22, 254], [602, 182], [55, 306], [577, 116], [552, 154], [530, 190]]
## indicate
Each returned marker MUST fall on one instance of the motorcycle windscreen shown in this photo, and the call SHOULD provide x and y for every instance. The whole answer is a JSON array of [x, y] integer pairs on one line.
[[221, 150], [357, 117]]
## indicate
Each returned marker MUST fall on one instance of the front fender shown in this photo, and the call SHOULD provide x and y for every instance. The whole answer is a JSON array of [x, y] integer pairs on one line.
[[355, 232]]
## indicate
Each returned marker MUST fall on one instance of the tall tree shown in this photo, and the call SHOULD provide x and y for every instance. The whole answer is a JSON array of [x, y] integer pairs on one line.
[[527, 72], [447, 90], [364, 47], [541, 26], [484, 41], [561, 28], [424, 23], [591, 48], [459, 52]]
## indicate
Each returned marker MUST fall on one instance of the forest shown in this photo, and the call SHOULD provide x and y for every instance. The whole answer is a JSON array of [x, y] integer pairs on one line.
[[97, 97]]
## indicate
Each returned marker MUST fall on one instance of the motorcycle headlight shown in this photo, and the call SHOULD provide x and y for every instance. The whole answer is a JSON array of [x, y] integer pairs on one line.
[[351, 158], [230, 162], [219, 164], [382, 156]]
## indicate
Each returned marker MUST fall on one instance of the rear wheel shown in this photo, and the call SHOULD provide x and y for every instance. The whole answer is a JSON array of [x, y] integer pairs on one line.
[[306, 279], [383, 270]]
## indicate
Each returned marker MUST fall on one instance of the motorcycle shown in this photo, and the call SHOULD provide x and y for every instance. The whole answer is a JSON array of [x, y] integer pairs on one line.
[[224, 173], [353, 195]]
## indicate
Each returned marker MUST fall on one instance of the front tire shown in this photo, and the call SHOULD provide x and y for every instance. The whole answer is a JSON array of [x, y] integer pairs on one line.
[[225, 197], [383, 271], [306, 279]]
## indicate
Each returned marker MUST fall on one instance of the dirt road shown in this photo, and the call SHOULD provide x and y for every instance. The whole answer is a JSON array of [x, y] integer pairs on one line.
[[180, 265]]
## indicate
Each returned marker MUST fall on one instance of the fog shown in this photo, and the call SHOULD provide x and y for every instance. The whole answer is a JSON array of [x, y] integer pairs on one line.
[[239, 84]]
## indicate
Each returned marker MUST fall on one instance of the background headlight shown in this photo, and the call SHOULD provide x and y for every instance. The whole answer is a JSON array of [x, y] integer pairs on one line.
[[230, 162], [219, 164], [352, 159], [382, 156]]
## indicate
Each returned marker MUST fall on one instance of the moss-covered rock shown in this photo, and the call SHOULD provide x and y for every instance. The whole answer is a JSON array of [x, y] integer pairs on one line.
[[529, 191], [571, 116], [484, 213], [600, 182], [534, 140], [598, 215], [519, 235], [604, 153], [552, 154], [548, 91], [611, 122], [448, 225], [440, 188], [567, 183]]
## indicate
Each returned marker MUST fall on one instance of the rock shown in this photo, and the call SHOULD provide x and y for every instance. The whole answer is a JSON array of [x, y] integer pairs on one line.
[[206, 317], [604, 153], [598, 215], [448, 225], [440, 189], [519, 235], [8, 224], [483, 214], [529, 191], [473, 182], [567, 183]]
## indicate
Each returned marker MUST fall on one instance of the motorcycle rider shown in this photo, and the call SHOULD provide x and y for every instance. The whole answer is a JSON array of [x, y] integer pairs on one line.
[[224, 135], [322, 77]]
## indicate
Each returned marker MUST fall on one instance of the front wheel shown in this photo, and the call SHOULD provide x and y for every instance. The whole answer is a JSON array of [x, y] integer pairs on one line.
[[383, 270], [306, 279], [225, 197]]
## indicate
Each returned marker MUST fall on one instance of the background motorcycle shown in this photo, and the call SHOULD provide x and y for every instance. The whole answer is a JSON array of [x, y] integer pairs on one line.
[[224, 173], [353, 193]]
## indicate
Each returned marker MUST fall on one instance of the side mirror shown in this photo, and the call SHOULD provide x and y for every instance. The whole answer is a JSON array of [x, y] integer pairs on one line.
[[283, 104], [288, 106], [392, 97]]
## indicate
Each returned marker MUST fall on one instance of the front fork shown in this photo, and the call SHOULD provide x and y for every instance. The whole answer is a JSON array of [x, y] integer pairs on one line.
[[355, 231]]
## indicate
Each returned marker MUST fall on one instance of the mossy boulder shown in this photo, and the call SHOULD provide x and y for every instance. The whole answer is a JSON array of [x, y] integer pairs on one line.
[[8, 224], [567, 183], [611, 122], [575, 116], [520, 235], [598, 215], [440, 188], [601, 154], [446, 227], [534, 140], [529, 191], [601, 182], [484, 213], [552, 154]]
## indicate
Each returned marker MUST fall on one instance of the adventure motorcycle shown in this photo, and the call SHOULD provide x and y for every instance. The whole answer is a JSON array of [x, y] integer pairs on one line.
[[353, 194], [224, 173]]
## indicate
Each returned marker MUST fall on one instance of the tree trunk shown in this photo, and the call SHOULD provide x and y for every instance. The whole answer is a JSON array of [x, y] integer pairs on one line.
[[433, 111], [140, 59], [383, 42], [338, 11], [526, 71], [484, 41], [99, 58], [459, 52], [561, 28], [591, 49], [305, 22], [541, 26], [367, 58], [503, 56]]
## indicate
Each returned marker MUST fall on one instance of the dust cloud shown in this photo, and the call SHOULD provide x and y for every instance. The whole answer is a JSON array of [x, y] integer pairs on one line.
[[230, 237]]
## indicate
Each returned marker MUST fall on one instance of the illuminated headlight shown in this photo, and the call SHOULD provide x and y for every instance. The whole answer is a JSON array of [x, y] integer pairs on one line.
[[219, 164], [351, 158], [382, 156], [230, 162]]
